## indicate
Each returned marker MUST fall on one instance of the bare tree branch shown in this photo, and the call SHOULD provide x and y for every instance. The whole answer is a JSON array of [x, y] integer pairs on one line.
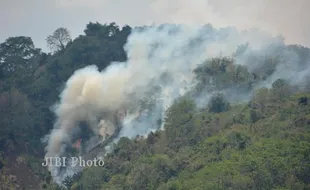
[[59, 39]]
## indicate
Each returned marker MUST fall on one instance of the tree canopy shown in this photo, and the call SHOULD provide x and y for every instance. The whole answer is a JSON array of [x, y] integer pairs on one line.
[[261, 143], [59, 39]]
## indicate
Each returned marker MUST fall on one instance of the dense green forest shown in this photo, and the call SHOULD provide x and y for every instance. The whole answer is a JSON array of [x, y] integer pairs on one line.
[[261, 143]]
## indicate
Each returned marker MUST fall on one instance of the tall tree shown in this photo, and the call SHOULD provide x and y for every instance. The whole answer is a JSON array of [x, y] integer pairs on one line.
[[15, 53], [59, 39], [17, 46], [104, 31]]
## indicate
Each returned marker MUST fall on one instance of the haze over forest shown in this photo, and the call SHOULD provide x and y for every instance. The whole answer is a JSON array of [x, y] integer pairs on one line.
[[197, 101]]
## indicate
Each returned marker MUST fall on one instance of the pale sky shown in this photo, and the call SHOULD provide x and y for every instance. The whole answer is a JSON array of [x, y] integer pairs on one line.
[[39, 18]]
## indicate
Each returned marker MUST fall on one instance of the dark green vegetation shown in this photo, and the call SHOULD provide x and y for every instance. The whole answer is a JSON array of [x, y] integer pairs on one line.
[[31, 81], [246, 147], [261, 144]]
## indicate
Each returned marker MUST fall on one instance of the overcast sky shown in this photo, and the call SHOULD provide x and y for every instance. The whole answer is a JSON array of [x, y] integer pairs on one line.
[[39, 18]]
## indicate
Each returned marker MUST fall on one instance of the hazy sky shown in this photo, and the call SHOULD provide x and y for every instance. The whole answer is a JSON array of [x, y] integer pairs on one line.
[[39, 18]]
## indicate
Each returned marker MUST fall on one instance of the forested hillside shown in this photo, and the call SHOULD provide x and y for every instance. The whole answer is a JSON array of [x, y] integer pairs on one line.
[[235, 149], [258, 138], [31, 80]]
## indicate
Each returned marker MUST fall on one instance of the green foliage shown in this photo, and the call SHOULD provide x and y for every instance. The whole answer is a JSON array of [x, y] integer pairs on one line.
[[218, 104], [222, 72], [263, 144], [281, 89], [16, 55], [271, 153], [31, 80], [21, 46]]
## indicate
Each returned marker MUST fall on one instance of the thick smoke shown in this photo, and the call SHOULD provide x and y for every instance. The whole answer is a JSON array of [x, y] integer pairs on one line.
[[162, 57]]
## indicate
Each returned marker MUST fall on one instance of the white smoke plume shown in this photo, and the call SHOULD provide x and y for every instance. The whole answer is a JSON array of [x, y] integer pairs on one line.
[[153, 54]]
